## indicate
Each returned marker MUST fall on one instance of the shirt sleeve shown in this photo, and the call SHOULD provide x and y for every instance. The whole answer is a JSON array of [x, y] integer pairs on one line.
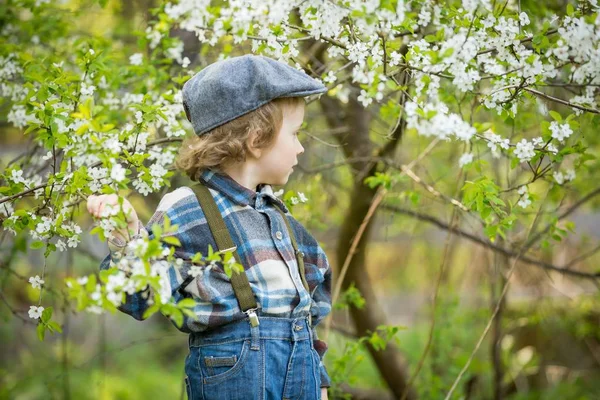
[[173, 276]]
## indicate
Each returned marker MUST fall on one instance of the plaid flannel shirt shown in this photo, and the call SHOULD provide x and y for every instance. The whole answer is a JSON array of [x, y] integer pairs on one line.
[[265, 250]]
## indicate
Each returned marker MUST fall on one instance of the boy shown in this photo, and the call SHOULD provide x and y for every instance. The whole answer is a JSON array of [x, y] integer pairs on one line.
[[257, 338]]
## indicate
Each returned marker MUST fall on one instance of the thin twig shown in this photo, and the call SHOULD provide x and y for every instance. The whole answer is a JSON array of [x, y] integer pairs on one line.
[[561, 101], [421, 362]]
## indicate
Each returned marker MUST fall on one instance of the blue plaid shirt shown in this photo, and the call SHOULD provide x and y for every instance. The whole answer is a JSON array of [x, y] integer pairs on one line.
[[265, 250]]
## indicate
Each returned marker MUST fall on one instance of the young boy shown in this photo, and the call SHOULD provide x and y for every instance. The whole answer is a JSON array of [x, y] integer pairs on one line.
[[255, 339]]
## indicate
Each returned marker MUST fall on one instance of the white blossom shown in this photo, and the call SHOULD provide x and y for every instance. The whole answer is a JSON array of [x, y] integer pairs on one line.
[[103, 84], [36, 282], [154, 36], [442, 124], [17, 176], [60, 245], [330, 78], [113, 144], [560, 131], [364, 98], [465, 159], [524, 150], [136, 59], [9, 67], [524, 200], [558, 177], [87, 90], [570, 175], [43, 228], [19, 118], [35, 312], [73, 241], [117, 173], [141, 186], [561, 178]]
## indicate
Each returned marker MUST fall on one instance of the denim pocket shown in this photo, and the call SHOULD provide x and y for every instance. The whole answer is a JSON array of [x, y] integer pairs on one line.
[[223, 360]]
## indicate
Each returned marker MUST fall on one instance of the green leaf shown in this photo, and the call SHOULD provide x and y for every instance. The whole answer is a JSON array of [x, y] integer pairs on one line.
[[490, 232], [46, 314], [556, 116], [172, 240], [187, 303], [55, 326], [41, 331], [570, 10], [377, 342], [177, 317], [38, 244], [150, 310], [485, 213], [157, 230]]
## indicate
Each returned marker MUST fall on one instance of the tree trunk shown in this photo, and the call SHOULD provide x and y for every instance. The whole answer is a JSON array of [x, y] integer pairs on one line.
[[390, 362]]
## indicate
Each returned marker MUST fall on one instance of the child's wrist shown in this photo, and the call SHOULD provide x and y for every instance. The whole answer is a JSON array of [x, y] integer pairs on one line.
[[133, 227], [122, 236]]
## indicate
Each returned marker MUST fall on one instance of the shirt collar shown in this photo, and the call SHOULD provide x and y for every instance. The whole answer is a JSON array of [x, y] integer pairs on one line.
[[238, 193]]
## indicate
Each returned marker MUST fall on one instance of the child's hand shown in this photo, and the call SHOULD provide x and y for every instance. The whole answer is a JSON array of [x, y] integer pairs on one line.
[[98, 206], [324, 393]]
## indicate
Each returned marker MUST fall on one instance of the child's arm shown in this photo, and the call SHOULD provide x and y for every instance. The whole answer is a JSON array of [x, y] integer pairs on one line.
[[138, 302], [319, 310], [321, 304]]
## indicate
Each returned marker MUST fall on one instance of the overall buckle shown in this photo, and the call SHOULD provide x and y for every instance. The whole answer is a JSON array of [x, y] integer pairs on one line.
[[251, 313]]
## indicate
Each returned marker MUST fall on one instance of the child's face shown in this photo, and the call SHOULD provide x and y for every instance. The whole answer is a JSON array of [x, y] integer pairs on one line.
[[277, 161]]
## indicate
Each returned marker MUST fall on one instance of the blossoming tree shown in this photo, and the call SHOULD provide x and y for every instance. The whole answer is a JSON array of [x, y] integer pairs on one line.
[[508, 94]]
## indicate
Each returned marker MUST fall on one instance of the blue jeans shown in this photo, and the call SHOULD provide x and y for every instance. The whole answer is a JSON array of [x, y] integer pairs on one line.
[[275, 360]]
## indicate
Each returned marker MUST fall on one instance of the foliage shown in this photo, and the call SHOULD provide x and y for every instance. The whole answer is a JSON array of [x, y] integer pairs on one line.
[[509, 90]]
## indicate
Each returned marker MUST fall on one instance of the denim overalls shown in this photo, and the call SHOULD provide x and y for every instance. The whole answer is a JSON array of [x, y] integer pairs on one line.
[[259, 357], [274, 360]]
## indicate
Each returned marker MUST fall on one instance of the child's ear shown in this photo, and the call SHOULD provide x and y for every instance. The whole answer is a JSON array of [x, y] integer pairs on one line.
[[254, 151]]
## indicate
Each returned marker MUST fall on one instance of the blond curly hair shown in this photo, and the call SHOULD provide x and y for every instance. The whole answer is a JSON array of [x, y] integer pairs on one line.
[[228, 143]]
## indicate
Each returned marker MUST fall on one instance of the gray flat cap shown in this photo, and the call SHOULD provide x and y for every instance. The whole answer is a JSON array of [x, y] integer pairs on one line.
[[230, 88]]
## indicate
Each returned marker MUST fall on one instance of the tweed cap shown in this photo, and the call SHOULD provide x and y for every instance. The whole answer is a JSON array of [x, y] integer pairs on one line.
[[230, 88]]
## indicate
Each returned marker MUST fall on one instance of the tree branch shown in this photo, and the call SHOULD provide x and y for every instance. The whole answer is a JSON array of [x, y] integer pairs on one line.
[[483, 242], [96, 164]]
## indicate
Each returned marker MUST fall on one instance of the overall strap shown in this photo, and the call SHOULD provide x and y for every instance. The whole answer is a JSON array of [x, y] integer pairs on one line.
[[239, 281]]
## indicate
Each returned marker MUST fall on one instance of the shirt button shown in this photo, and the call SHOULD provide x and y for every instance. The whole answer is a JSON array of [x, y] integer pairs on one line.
[[279, 235]]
